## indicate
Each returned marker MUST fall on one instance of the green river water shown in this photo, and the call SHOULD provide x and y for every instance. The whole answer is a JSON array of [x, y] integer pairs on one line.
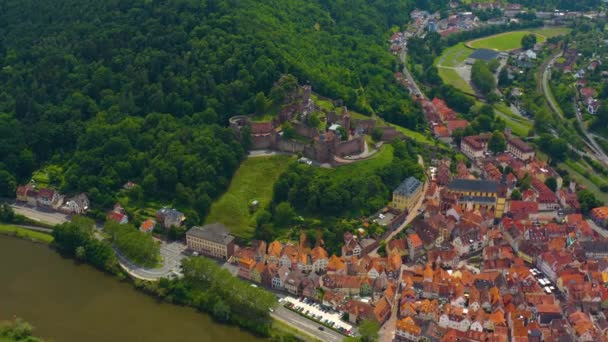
[[67, 302]]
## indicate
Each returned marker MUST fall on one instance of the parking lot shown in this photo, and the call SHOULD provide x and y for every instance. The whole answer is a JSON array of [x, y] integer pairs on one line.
[[317, 312]]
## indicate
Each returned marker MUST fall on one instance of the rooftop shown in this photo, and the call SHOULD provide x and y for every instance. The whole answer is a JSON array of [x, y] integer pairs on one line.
[[473, 185], [408, 187], [484, 54], [215, 232]]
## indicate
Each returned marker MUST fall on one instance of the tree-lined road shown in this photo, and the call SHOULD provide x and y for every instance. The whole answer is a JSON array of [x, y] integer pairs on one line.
[[293, 319]]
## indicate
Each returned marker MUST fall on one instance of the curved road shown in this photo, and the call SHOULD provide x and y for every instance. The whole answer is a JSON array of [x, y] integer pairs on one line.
[[410, 216], [597, 151]]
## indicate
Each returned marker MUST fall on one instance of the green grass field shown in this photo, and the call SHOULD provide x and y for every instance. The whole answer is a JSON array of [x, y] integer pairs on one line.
[[519, 125], [550, 32], [378, 160], [504, 41], [584, 181], [451, 77], [453, 56], [24, 233], [253, 180]]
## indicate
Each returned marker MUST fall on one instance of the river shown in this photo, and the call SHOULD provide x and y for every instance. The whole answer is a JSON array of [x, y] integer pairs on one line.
[[68, 302]]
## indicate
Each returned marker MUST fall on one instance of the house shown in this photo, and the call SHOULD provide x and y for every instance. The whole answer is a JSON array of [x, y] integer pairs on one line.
[[522, 210], [212, 240], [274, 252], [118, 214], [278, 279], [349, 285], [415, 246], [519, 149], [268, 275], [593, 106], [453, 125], [357, 311], [25, 192], [475, 146], [407, 194], [246, 266], [319, 258], [382, 310], [77, 205], [587, 93], [292, 282], [599, 215], [147, 226], [47, 198], [351, 246], [168, 218]]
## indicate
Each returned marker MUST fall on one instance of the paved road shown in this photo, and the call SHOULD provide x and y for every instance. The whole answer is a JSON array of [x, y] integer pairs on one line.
[[172, 254], [48, 217], [597, 151], [410, 216], [602, 232], [387, 331], [293, 319], [408, 76]]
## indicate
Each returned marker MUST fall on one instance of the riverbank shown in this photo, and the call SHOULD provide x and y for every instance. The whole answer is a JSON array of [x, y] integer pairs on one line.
[[24, 233], [69, 301]]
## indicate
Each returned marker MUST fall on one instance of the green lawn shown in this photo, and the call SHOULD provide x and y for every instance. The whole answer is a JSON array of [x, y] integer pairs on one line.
[[550, 32], [378, 160], [584, 181], [253, 180], [451, 77], [24, 233], [519, 125], [453, 56], [504, 41]]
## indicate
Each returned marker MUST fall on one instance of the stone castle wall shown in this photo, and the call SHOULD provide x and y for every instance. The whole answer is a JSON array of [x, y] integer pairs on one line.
[[354, 146]]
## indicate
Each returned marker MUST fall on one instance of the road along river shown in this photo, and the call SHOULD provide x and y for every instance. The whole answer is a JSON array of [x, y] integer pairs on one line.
[[68, 302]]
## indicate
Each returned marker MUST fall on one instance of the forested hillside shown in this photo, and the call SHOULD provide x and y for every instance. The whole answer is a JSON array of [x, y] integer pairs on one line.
[[114, 90]]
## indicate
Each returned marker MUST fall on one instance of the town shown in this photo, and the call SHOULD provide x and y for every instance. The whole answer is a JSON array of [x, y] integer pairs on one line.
[[493, 242]]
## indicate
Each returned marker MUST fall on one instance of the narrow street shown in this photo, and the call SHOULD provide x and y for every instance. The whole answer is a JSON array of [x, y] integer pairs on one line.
[[387, 331], [411, 215]]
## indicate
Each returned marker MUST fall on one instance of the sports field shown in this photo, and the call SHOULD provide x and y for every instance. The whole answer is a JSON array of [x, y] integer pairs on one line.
[[504, 41]]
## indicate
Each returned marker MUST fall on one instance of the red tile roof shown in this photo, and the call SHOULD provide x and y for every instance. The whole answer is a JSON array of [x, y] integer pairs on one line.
[[147, 226]]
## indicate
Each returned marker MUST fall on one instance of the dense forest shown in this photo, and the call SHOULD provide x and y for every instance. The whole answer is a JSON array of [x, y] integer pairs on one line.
[[111, 91]]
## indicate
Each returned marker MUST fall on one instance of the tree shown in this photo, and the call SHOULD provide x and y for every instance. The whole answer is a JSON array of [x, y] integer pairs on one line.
[[587, 200], [503, 78], [528, 41], [342, 133], [493, 65], [482, 78], [497, 143], [261, 103], [7, 184], [284, 214], [516, 195], [551, 183], [288, 131], [369, 330], [17, 330], [377, 134]]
